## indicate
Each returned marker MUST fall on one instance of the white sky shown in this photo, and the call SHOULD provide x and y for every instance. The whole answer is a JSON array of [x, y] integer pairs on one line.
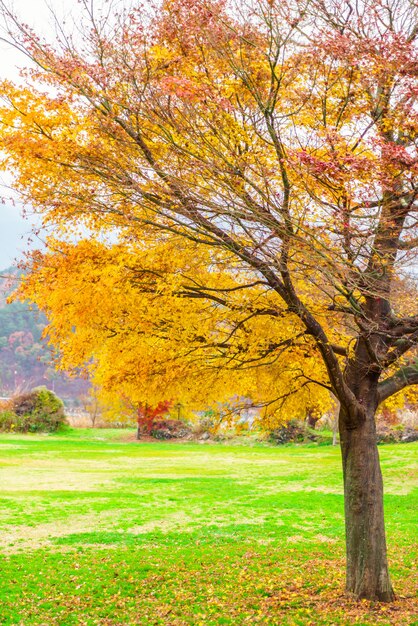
[[14, 230]]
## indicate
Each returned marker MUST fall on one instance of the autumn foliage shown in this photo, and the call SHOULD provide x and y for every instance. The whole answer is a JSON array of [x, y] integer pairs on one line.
[[147, 415], [257, 165]]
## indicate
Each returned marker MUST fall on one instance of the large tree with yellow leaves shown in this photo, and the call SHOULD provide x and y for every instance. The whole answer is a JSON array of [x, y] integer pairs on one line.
[[169, 319], [279, 139]]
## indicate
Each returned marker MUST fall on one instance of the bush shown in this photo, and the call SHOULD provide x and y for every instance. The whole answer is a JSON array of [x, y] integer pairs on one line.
[[169, 429], [409, 435], [396, 434], [39, 410], [8, 420], [293, 432], [205, 426]]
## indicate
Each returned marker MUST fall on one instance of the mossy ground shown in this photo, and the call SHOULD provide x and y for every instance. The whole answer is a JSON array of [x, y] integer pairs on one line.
[[99, 531]]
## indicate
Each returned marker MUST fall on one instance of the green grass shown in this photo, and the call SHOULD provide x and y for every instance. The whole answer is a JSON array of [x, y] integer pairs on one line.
[[97, 530]]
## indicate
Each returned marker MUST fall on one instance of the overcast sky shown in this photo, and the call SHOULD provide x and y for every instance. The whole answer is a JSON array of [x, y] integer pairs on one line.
[[14, 232], [14, 229]]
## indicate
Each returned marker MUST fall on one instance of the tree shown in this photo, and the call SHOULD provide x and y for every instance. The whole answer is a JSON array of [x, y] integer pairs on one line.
[[281, 135], [136, 319], [92, 405]]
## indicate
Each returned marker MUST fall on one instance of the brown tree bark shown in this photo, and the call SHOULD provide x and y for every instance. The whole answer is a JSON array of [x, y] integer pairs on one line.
[[311, 421], [367, 566]]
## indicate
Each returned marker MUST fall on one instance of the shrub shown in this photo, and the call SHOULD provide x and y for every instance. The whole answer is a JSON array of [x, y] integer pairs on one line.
[[205, 425], [169, 429], [409, 435], [39, 410], [396, 434], [8, 420], [293, 432]]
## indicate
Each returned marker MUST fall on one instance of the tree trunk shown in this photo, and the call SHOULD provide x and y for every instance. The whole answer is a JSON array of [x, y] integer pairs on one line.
[[311, 421], [335, 424], [367, 567]]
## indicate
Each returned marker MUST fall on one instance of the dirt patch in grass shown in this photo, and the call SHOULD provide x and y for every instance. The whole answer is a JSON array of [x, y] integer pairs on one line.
[[41, 535]]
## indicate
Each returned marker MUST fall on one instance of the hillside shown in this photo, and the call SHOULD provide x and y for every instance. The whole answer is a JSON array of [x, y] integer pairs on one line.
[[25, 359]]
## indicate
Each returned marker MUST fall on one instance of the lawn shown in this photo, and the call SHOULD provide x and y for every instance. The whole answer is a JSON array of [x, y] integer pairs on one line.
[[95, 529]]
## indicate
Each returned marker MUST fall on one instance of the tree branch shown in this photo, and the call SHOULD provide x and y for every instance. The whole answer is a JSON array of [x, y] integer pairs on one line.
[[404, 377]]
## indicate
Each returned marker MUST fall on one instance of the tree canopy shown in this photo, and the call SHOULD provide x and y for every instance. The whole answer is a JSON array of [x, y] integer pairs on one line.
[[172, 320]]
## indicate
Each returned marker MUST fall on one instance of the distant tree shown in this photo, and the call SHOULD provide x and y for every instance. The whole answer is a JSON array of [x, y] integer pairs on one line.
[[93, 405]]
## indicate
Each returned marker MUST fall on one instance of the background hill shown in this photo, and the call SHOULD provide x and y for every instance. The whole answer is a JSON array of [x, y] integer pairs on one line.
[[25, 359]]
